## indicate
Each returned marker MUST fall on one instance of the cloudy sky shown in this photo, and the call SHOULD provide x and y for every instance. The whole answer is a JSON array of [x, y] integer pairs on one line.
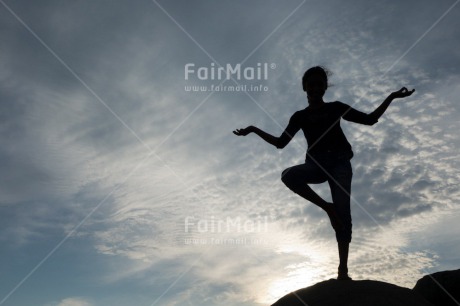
[[121, 180]]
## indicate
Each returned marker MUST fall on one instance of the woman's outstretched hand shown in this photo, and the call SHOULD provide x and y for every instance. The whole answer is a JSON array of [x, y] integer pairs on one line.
[[402, 93], [243, 132]]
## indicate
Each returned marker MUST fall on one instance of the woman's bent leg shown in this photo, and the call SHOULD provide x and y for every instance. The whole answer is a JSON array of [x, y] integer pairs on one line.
[[297, 177]]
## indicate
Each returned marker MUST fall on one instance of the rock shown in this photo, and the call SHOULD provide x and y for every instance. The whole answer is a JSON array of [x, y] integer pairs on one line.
[[353, 293], [433, 288]]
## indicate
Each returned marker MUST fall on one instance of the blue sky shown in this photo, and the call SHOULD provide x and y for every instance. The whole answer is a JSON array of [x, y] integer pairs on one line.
[[113, 174]]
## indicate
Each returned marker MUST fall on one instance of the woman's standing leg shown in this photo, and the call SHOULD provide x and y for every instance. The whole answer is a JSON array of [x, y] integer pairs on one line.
[[340, 183]]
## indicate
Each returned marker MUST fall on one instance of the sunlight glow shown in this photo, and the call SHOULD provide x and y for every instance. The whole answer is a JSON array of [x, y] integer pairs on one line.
[[319, 265], [298, 276]]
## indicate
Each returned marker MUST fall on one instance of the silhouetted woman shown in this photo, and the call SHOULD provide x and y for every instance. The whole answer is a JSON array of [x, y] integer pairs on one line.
[[328, 155]]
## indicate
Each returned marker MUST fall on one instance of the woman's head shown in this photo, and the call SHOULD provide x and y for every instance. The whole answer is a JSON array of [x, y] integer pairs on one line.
[[314, 81]]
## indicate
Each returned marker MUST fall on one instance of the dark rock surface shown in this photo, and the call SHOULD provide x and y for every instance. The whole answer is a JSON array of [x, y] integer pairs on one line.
[[441, 288], [353, 293]]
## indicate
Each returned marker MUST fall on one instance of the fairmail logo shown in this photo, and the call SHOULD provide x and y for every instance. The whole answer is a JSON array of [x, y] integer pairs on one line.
[[228, 72], [225, 225]]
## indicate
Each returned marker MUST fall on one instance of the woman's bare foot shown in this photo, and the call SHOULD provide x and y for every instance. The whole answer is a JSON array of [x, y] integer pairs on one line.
[[333, 217], [343, 274], [344, 277]]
